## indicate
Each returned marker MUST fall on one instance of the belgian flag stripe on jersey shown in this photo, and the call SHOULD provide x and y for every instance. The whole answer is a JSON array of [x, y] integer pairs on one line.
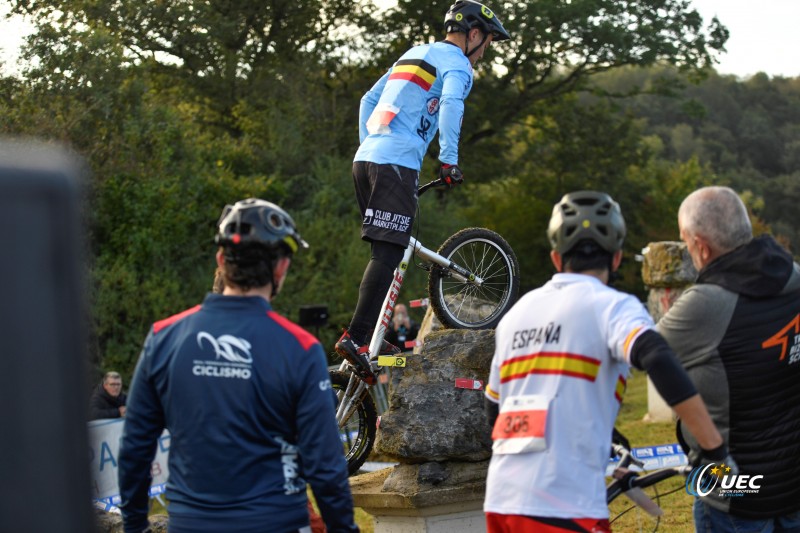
[[414, 70]]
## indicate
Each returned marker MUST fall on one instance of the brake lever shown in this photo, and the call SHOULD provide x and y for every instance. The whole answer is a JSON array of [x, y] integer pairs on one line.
[[640, 498], [626, 457], [636, 494]]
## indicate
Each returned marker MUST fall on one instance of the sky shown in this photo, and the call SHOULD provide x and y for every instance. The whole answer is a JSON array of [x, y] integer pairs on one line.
[[764, 35]]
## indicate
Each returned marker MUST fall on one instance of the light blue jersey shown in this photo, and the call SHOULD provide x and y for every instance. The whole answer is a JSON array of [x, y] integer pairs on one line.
[[421, 94]]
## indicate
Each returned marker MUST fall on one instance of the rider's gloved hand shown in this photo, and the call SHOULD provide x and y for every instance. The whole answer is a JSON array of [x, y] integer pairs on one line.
[[719, 456], [451, 175]]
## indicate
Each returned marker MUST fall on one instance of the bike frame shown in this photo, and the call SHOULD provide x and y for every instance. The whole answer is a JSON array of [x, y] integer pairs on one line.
[[356, 388]]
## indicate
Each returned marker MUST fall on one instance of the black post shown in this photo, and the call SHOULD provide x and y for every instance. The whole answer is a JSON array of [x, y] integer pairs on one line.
[[44, 452]]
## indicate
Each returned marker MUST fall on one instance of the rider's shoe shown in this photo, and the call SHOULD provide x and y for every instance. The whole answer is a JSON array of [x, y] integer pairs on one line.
[[356, 355]]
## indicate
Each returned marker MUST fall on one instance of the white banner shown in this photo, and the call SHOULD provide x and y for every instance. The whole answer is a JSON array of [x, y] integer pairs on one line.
[[104, 437]]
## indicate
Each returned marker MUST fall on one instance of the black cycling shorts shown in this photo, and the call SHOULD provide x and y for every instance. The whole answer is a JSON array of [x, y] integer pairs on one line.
[[387, 197]]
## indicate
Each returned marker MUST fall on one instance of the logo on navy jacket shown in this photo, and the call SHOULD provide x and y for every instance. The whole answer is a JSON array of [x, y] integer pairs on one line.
[[231, 357]]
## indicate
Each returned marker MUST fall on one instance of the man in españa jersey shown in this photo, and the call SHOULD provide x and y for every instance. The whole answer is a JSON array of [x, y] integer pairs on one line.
[[245, 395], [558, 374], [422, 94]]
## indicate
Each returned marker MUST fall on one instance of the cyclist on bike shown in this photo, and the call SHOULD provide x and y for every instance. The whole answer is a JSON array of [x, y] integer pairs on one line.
[[421, 94], [245, 395], [561, 359]]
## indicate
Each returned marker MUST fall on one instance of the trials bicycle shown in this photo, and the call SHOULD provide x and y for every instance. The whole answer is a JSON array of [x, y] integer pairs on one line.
[[473, 279], [631, 483]]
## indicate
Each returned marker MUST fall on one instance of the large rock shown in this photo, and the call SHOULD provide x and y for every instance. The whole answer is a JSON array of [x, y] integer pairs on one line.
[[429, 419], [112, 522], [668, 271], [415, 479], [667, 265]]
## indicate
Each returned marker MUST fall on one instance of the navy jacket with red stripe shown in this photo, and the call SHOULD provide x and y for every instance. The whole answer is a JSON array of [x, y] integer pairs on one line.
[[247, 400]]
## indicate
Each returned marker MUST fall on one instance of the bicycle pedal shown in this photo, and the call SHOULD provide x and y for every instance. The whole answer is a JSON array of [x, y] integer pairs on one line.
[[366, 375]]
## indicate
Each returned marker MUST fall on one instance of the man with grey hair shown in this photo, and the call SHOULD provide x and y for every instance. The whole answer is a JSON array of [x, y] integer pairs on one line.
[[737, 333], [713, 221]]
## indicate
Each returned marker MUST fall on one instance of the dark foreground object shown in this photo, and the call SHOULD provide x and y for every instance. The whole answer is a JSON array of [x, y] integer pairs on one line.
[[44, 460]]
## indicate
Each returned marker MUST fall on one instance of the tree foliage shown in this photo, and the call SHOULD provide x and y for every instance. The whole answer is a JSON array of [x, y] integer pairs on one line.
[[182, 107]]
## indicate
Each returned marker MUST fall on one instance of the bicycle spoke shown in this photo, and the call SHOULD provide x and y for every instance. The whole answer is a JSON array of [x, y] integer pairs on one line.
[[468, 303], [479, 266]]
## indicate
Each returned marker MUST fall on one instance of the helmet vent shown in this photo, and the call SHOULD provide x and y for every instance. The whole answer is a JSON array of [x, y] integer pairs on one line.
[[275, 221]]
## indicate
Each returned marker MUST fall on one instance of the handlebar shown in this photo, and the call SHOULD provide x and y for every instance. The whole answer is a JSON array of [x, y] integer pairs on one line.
[[626, 480], [626, 457], [631, 479], [439, 182]]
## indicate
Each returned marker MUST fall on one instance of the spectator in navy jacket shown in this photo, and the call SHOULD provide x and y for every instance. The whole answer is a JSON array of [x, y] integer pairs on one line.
[[245, 395]]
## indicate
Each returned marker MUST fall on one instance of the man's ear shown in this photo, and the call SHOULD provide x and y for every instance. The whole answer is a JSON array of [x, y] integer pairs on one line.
[[616, 260], [282, 267], [220, 258], [557, 259], [704, 249]]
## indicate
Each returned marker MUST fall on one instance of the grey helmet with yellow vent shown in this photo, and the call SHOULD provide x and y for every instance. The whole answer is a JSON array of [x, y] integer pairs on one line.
[[586, 215], [255, 221], [464, 15]]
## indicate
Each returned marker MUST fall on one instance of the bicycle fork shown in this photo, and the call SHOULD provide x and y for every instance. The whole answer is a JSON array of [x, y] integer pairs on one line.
[[350, 398]]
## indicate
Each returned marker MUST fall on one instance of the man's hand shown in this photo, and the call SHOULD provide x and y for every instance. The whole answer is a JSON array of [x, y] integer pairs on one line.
[[451, 175], [720, 456]]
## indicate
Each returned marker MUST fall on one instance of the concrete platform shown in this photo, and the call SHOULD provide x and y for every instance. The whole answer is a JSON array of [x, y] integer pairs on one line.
[[401, 504]]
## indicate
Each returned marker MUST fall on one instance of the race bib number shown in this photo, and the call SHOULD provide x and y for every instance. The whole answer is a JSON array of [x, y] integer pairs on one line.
[[520, 426]]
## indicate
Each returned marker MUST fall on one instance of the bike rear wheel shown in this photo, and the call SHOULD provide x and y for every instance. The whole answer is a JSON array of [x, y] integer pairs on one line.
[[466, 305], [357, 432]]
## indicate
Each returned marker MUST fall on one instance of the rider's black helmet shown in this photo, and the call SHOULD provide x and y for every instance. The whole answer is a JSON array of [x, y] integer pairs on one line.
[[464, 15], [586, 215], [255, 221]]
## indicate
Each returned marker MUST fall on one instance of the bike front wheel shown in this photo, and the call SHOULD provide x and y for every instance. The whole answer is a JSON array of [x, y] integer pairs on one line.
[[357, 432], [465, 304]]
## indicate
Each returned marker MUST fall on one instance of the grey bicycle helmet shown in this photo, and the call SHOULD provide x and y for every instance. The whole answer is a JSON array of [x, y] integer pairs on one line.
[[464, 15], [260, 222], [585, 215]]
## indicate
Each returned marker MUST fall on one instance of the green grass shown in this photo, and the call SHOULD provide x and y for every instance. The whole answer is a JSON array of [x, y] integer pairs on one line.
[[364, 521], [677, 506]]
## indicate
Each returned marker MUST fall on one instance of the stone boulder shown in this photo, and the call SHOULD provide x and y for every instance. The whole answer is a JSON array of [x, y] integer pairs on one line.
[[668, 271], [667, 265], [111, 522], [429, 418]]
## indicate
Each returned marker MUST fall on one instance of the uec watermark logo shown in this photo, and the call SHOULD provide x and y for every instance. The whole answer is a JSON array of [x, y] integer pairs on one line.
[[704, 479]]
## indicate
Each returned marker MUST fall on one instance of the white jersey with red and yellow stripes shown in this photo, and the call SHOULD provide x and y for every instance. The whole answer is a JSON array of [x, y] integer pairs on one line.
[[561, 360]]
